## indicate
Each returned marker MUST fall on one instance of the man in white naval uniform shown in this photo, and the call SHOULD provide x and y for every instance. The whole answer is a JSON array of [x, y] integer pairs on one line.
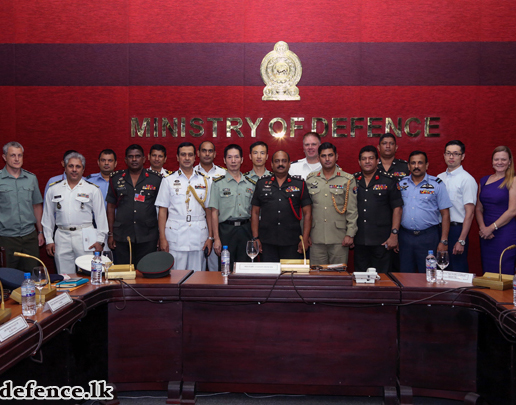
[[182, 198], [70, 204], [311, 163], [207, 154]]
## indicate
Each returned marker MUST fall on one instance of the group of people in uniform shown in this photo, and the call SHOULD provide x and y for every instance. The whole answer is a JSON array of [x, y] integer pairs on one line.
[[389, 206]]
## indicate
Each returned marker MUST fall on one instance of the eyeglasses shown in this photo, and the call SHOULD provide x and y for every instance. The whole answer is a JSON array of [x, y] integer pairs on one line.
[[454, 154]]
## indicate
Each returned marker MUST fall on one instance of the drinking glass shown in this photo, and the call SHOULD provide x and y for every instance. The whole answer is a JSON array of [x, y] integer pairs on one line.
[[443, 260], [107, 262], [39, 276], [252, 249]]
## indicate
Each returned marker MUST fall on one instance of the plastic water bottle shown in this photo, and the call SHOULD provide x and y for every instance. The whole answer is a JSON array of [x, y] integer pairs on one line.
[[225, 261], [431, 265], [96, 269], [28, 292], [514, 290]]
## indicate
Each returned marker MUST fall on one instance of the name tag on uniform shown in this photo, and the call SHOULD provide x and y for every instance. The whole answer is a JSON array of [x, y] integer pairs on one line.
[[139, 197]]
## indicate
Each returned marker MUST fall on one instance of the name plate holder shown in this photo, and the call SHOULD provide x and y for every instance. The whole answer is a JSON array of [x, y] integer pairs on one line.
[[257, 268], [456, 276], [13, 327], [58, 302]]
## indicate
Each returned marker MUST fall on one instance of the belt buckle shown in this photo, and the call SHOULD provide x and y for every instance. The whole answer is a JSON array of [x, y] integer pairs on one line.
[[188, 218], [237, 223], [73, 228], [416, 233]]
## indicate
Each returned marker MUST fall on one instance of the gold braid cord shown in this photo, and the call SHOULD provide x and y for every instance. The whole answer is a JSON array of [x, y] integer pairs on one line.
[[345, 201], [192, 190]]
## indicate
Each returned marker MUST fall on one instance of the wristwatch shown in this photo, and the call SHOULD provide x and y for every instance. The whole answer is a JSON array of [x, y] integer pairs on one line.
[[255, 237], [445, 242], [394, 231], [211, 238], [462, 242]]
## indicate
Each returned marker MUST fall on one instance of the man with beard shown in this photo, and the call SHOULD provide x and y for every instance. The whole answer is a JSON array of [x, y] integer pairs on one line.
[[379, 214], [424, 198], [281, 199], [131, 211]]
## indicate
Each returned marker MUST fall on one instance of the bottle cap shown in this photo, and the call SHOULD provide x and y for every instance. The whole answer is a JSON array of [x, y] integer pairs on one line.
[[430, 252], [27, 275], [97, 253], [224, 247]]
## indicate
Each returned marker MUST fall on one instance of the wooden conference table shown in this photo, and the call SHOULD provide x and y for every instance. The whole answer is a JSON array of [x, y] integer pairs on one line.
[[311, 334]]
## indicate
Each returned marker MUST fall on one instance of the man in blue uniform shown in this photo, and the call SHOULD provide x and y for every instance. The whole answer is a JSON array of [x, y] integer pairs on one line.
[[107, 164], [424, 198]]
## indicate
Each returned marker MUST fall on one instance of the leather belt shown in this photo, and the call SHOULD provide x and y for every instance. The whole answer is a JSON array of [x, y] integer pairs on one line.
[[456, 223], [238, 222], [417, 232], [187, 218]]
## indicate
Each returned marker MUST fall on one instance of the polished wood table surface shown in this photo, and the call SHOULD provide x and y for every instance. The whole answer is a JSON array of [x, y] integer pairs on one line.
[[313, 333]]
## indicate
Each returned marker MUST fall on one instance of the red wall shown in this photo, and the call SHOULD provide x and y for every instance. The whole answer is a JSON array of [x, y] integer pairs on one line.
[[73, 74]]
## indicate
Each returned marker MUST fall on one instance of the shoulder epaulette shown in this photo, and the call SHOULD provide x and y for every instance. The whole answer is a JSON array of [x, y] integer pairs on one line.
[[247, 173], [438, 180], [115, 173], [296, 176], [250, 180], [93, 184], [295, 161], [149, 170], [54, 183], [88, 176], [402, 161], [218, 178], [201, 173], [312, 174]]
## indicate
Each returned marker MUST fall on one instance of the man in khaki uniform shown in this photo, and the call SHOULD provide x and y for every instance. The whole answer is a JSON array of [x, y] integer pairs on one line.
[[334, 210], [230, 203]]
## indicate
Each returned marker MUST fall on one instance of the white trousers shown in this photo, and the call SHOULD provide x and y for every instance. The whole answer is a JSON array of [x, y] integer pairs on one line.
[[193, 260], [69, 246]]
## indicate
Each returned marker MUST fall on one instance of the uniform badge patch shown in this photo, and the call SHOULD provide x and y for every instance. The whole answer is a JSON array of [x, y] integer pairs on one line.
[[426, 191], [380, 187], [250, 190], [292, 189], [337, 186], [355, 189], [226, 191], [149, 187], [83, 195]]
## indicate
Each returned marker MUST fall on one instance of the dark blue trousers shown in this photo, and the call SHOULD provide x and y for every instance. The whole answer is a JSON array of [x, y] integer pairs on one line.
[[414, 248]]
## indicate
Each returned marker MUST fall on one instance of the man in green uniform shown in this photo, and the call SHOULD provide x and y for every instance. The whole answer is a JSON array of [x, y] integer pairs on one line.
[[230, 200], [21, 207], [258, 153], [334, 210]]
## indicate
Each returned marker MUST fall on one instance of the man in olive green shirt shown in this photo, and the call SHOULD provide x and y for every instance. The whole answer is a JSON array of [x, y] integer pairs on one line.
[[230, 201], [21, 207], [334, 209], [258, 153]]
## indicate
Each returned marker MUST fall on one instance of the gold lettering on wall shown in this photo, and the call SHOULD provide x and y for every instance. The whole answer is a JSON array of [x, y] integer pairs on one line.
[[278, 127]]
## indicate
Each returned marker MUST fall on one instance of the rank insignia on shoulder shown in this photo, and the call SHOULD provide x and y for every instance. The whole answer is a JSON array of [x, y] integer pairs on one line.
[[115, 173], [250, 180], [438, 180], [93, 184], [218, 178], [310, 175], [297, 176]]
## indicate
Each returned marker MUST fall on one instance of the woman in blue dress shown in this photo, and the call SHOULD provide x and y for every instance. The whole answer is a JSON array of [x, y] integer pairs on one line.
[[495, 211]]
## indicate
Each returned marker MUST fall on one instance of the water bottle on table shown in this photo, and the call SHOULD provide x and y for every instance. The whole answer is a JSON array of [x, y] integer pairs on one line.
[[225, 261], [431, 266], [28, 292], [96, 269]]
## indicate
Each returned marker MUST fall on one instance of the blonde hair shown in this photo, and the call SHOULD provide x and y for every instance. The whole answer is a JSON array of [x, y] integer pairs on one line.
[[509, 173]]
